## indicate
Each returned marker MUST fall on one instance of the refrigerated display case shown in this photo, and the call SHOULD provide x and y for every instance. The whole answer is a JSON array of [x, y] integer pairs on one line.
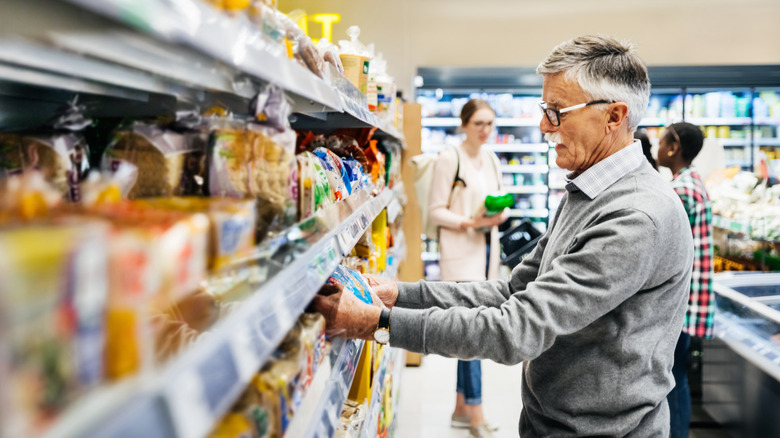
[[741, 364]]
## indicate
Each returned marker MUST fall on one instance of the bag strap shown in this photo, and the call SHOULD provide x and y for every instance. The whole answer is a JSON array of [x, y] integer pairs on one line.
[[457, 169]]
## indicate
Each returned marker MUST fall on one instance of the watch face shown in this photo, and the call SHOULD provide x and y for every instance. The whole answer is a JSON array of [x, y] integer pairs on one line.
[[382, 335]]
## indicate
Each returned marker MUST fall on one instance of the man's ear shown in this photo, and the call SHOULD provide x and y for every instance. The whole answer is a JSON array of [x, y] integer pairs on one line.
[[617, 115]]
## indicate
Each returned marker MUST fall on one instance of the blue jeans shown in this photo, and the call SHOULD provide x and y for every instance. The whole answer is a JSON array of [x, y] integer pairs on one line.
[[680, 397], [470, 371], [470, 381]]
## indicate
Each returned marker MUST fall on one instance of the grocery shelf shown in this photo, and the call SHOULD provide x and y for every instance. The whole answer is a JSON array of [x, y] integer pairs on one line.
[[734, 141], [653, 121], [767, 120], [183, 49], [446, 122], [525, 168], [430, 256], [188, 396], [320, 409], [233, 41], [738, 163], [369, 429], [518, 147], [721, 121], [767, 141], [731, 225], [526, 189], [529, 212]]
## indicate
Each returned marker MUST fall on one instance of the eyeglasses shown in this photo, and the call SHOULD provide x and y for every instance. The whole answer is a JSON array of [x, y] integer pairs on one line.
[[554, 115]]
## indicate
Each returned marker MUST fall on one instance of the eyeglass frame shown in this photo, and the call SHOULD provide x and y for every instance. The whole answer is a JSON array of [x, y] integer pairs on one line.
[[545, 109]]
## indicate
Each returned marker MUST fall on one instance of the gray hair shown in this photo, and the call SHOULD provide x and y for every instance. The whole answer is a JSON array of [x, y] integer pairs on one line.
[[605, 68]]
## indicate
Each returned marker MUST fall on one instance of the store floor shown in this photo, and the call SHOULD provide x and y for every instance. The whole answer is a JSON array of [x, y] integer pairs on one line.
[[427, 397]]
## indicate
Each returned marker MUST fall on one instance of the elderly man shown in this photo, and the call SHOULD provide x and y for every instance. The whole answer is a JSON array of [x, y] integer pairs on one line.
[[595, 310]]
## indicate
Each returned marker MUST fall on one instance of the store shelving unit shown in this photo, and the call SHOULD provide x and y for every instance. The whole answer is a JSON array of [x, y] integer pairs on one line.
[[157, 57], [157, 54]]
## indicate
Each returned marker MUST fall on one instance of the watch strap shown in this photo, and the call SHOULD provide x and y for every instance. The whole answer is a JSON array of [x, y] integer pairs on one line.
[[384, 319]]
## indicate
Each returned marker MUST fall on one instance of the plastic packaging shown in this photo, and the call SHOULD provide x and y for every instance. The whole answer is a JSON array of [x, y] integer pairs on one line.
[[61, 158], [495, 203], [355, 58], [330, 53], [53, 292], [169, 163]]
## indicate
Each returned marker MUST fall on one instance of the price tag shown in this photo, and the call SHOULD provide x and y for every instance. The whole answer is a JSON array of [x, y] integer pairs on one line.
[[246, 349], [269, 326], [189, 407], [219, 375]]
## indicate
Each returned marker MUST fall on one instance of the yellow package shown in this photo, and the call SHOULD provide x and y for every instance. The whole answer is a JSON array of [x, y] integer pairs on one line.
[[53, 294], [231, 224], [233, 426]]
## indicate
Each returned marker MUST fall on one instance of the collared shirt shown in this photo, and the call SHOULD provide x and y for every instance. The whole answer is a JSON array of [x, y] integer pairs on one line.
[[604, 173], [701, 306]]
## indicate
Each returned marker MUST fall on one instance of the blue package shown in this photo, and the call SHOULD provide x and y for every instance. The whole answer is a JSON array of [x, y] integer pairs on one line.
[[344, 275], [328, 157]]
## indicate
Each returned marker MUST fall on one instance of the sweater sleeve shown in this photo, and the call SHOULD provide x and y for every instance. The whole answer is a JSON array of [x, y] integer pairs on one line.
[[424, 294], [441, 187], [584, 283]]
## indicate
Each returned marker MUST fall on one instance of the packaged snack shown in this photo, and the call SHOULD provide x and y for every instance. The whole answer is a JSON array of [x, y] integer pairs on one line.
[[337, 174], [233, 426], [231, 224], [52, 299], [343, 276], [322, 194], [355, 59], [156, 259], [168, 163], [376, 164], [26, 197], [61, 158]]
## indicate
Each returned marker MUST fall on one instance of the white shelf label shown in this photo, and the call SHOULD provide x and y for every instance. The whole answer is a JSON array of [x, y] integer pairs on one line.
[[189, 408], [246, 351]]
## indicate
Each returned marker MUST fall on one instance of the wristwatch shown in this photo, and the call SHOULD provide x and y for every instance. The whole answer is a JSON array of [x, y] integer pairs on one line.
[[382, 331]]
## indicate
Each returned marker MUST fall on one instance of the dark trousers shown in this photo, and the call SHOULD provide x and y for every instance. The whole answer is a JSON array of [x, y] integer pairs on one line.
[[680, 397]]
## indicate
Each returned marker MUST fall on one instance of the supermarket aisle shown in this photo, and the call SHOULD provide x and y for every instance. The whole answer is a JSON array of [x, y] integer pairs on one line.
[[428, 397]]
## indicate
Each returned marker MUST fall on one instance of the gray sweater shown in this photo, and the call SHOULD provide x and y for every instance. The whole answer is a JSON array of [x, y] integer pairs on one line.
[[594, 313]]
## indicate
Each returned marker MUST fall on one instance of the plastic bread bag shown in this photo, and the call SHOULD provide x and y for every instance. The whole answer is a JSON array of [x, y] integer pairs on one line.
[[25, 197], [355, 173], [337, 174], [330, 53], [274, 177], [302, 47], [62, 159], [164, 159], [230, 159], [109, 187], [266, 18]]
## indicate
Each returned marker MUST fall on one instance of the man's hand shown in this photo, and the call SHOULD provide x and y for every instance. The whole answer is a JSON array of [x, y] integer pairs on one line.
[[345, 315], [387, 290]]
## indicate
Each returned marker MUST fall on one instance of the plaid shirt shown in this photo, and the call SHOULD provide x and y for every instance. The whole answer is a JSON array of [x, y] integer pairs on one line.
[[607, 171], [701, 302]]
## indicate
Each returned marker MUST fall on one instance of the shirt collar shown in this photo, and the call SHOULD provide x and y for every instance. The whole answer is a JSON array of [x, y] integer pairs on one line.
[[607, 171]]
